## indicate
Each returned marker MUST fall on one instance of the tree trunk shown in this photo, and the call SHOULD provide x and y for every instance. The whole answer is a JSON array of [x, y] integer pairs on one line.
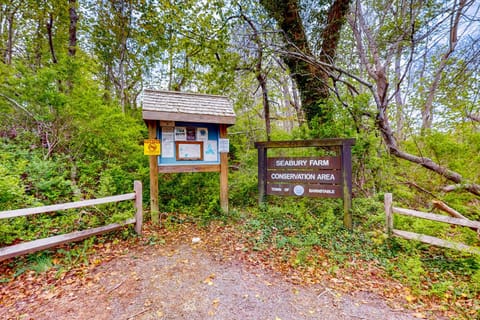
[[296, 103], [38, 40], [474, 117], [312, 80], [72, 44], [72, 38], [10, 31], [399, 105], [289, 104]]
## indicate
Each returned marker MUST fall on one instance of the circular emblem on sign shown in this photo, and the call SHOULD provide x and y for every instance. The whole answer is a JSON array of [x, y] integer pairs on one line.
[[298, 190], [152, 146]]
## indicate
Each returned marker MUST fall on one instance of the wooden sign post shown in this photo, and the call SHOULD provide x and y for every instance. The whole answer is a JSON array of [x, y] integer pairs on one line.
[[320, 177]]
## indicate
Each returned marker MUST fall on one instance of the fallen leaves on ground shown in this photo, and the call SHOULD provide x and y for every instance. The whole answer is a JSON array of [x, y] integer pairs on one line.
[[224, 243]]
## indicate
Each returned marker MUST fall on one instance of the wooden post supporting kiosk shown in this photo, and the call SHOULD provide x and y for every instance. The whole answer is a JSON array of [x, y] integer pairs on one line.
[[189, 132], [154, 212]]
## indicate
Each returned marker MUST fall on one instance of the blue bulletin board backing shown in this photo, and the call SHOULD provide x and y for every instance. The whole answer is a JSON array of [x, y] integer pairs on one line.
[[189, 132]]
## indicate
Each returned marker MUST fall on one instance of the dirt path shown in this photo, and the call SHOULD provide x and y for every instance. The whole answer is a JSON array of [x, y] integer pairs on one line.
[[184, 281]]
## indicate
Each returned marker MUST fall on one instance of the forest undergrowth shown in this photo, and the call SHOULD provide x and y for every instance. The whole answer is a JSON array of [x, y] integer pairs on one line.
[[304, 239], [427, 281]]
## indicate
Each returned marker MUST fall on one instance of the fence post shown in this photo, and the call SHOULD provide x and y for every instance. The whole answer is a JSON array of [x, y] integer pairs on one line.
[[388, 203], [137, 187]]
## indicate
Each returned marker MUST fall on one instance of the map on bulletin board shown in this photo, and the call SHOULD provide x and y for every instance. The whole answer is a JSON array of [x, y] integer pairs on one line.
[[210, 150], [189, 150]]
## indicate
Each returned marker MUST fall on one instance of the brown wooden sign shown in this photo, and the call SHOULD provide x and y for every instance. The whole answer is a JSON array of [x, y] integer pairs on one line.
[[320, 177]]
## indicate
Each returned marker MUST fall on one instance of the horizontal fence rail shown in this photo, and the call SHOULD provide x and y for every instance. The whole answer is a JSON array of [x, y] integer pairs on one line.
[[390, 210], [45, 243], [65, 206]]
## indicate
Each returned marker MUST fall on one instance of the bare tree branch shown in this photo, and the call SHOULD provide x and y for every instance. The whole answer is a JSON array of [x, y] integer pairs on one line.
[[50, 38], [259, 73], [427, 113], [474, 117], [18, 105]]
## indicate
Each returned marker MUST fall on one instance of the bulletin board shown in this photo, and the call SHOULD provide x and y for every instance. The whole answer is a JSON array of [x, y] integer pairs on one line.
[[187, 143]]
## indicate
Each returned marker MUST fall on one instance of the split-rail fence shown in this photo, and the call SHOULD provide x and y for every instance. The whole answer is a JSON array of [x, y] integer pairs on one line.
[[390, 210], [45, 243]]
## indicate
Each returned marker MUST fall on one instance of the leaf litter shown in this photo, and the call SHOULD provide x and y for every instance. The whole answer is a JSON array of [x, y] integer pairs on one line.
[[219, 277]]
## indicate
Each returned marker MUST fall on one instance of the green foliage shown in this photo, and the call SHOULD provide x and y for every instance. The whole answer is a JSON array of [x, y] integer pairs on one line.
[[40, 262], [77, 253], [411, 268], [303, 223], [48, 180], [11, 191], [192, 196], [243, 183], [341, 127], [457, 150], [66, 146]]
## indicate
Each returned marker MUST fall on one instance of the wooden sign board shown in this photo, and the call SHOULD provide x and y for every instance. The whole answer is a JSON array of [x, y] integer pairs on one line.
[[189, 150], [167, 123], [319, 177], [189, 127]]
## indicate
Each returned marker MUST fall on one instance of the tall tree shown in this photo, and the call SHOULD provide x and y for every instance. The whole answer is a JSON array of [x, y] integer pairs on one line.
[[126, 38], [72, 43], [312, 80], [456, 11], [8, 11], [274, 91], [112, 28]]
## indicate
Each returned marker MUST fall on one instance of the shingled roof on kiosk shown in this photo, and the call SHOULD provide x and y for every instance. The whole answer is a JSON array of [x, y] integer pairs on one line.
[[192, 107]]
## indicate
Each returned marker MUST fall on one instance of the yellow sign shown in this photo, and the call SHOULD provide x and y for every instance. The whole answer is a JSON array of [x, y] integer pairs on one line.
[[151, 147]]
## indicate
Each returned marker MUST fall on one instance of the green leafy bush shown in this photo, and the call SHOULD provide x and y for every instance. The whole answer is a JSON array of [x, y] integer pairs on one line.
[[193, 196]]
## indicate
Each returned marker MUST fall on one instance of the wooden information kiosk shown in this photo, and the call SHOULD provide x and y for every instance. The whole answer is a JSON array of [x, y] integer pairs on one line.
[[186, 133]]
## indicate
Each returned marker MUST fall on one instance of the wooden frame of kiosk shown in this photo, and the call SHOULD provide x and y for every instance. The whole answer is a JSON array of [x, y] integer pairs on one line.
[[187, 132]]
